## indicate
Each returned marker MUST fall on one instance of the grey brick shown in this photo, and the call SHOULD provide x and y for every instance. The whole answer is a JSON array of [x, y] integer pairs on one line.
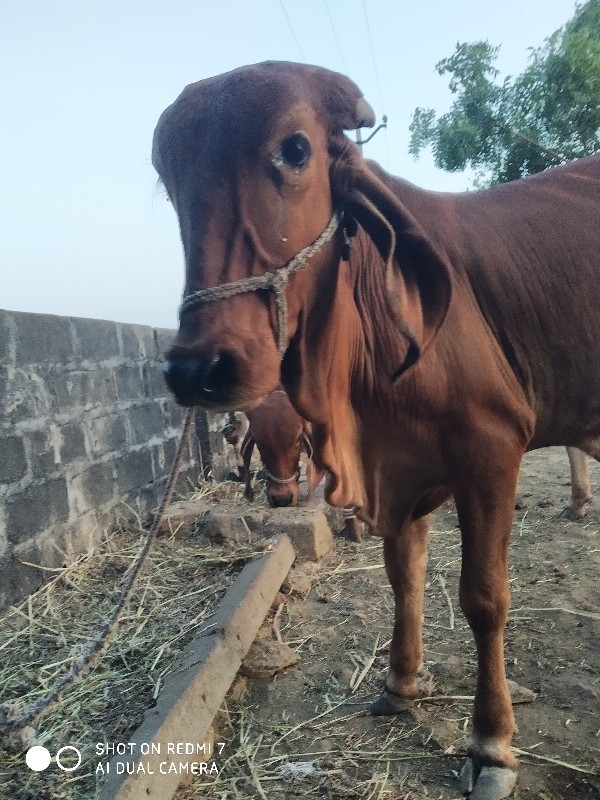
[[19, 580], [3, 536], [13, 463], [163, 456], [154, 381], [108, 433], [169, 447], [104, 385], [173, 414], [4, 383], [81, 388], [25, 396], [96, 339], [163, 338], [41, 453], [184, 516], [42, 338], [73, 442], [35, 509], [55, 445], [72, 389], [5, 357], [145, 422], [129, 382], [95, 486], [134, 470], [138, 341]]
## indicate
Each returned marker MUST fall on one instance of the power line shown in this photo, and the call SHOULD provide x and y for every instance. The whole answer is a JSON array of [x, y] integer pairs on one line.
[[289, 22], [337, 41], [373, 55]]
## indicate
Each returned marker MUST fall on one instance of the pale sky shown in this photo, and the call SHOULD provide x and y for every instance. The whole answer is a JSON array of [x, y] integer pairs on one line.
[[83, 230]]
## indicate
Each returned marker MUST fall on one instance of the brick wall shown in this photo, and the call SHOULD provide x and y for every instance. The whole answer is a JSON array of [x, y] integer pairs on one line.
[[86, 425]]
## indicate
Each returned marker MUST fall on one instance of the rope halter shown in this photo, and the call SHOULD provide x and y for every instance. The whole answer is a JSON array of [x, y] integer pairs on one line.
[[281, 481], [275, 280], [296, 476]]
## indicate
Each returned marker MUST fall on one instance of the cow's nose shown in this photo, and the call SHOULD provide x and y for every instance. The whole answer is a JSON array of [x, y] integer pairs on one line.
[[282, 500], [200, 379]]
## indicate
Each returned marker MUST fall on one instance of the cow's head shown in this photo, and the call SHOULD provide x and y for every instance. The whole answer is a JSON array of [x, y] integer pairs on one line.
[[257, 166], [279, 433]]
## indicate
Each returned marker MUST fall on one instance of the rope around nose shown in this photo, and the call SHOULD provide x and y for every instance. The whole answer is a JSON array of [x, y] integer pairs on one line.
[[281, 481], [275, 281]]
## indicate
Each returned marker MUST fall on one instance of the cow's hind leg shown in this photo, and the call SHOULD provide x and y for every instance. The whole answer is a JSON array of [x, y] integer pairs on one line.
[[581, 488], [405, 558], [485, 514]]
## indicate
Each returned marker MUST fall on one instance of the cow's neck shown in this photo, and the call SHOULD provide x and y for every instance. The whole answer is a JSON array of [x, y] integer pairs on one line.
[[339, 365]]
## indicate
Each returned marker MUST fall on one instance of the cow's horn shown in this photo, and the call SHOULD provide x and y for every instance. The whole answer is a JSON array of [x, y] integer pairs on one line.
[[365, 116]]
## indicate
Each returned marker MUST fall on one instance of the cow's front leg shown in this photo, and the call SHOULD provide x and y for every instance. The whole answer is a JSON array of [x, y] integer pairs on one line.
[[485, 517], [405, 558]]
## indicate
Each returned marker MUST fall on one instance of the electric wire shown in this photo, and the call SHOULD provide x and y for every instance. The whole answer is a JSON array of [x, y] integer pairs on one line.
[[374, 60], [337, 41], [291, 27]]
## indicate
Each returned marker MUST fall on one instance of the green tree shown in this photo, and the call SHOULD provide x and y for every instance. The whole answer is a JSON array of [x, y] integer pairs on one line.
[[506, 130]]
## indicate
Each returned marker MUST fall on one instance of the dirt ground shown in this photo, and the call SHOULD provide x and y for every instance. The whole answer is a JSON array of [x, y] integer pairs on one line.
[[308, 731]]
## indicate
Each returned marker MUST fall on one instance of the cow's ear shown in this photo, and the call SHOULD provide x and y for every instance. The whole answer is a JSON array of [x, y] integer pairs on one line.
[[417, 276], [341, 100]]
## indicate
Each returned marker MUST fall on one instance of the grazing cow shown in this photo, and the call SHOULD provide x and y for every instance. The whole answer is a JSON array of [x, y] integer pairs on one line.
[[430, 338], [278, 432]]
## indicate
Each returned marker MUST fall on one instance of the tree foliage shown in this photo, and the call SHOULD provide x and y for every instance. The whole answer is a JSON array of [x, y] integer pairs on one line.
[[505, 130]]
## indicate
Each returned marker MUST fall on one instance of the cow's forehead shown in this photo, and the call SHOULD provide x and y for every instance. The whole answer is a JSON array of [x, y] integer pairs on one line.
[[242, 103], [240, 109], [258, 85], [234, 112]]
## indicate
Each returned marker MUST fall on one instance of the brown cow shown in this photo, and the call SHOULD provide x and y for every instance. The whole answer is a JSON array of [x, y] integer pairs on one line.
[[461, 331], [581, 487], [279, 432]]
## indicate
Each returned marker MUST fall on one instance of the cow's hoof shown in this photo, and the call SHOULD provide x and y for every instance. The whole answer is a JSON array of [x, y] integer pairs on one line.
[[492, 783], [389, 703], [577, 513]]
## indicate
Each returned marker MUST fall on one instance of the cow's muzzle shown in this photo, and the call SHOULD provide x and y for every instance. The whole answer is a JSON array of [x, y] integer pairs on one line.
[[201, 380], [282, 500]]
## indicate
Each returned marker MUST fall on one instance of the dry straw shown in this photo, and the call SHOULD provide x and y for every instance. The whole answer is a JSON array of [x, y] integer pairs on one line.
[[42, 637]]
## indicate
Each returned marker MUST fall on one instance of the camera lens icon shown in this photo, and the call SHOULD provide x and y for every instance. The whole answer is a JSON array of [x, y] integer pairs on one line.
[[38, 758]]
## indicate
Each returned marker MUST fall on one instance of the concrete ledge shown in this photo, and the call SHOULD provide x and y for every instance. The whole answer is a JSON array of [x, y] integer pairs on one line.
[[307, 527], [195, 688]]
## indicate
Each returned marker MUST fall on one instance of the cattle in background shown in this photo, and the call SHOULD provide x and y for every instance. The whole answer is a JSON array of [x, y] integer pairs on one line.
[[231, 431], [285, 427], [581, 487], [279, 432], [431, 338]]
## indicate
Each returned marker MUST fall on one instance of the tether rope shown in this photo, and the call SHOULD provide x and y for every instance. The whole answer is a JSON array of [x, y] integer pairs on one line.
[[10, 717]]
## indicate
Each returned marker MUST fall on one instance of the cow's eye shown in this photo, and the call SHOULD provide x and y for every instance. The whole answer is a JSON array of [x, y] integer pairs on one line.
[[296, 150]]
